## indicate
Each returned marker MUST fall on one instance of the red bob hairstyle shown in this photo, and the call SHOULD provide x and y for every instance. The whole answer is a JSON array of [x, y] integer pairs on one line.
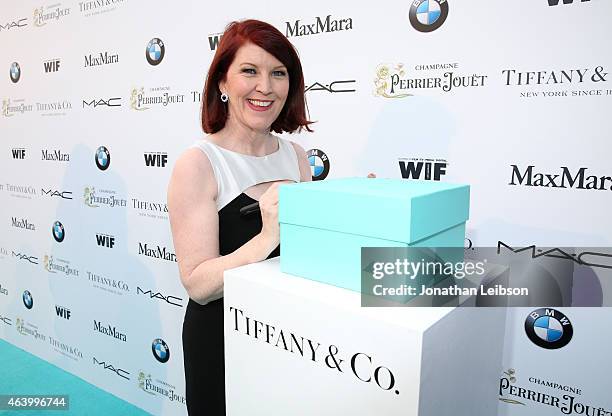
[[214, 112]]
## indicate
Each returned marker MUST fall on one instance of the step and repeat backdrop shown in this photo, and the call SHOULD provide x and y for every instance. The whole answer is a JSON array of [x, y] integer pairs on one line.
[[100, 97]]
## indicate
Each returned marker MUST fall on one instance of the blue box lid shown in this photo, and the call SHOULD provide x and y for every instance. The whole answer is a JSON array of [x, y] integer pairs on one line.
[[391, 209]]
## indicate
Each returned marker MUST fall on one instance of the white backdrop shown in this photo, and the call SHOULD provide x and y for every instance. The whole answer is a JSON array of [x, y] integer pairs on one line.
[[477, 132]]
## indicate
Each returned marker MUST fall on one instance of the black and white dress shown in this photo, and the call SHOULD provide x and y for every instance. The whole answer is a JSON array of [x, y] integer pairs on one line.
[[203, 324]]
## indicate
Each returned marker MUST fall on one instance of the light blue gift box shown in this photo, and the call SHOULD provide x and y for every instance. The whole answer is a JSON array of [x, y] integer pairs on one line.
[[324, 224]]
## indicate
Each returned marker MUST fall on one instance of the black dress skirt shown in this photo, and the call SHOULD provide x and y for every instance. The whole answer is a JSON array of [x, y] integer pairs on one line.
[[203, 325]]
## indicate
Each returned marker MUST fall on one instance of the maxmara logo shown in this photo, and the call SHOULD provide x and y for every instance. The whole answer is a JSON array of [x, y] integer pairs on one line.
[[101, 58], [109, 330], [319, 25], [157, 252], [55, 155], [22, 223], [564, 179], [14, 24]]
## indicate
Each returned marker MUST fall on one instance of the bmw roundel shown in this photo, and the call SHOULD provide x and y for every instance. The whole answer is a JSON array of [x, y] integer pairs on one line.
[[160, 349], [319, 164], [428, 15], [28, 300], [155, 51], [15, 72], [548, 328], [102, 158], [58, 231]]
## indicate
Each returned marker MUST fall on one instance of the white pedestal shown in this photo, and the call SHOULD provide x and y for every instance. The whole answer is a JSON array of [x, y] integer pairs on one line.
[[282, 334]]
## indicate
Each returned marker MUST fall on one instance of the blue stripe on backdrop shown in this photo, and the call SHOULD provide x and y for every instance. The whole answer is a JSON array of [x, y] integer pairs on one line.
[[24, 374]]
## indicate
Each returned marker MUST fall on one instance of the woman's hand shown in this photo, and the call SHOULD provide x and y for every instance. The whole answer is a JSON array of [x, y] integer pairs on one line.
[[268, 205]]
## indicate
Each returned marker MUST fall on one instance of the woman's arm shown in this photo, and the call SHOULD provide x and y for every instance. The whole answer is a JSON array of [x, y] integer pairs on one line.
[[194, 221], [305, 173]]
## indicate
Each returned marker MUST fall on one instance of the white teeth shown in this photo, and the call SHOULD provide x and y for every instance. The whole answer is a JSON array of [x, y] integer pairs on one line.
[[261, 103]]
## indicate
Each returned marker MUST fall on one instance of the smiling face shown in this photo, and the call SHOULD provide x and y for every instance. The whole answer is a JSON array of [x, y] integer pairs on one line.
[[257, 85]]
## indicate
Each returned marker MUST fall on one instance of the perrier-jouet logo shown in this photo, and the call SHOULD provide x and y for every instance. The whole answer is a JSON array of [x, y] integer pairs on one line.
[[38, 14], [88, 194], [135, 97], [19, 326], [142, 381], [5, 108], [511, 373], [383, 82]]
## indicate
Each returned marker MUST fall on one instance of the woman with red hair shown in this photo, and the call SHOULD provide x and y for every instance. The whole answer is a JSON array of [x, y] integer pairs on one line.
[[254, 87]]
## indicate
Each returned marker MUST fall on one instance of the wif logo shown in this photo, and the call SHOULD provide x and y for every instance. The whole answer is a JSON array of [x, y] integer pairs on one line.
[[213, 40], [52, 65], [62, 312], [104, 240], [555, 2], [19, 153], [156, 159], [429, 169]]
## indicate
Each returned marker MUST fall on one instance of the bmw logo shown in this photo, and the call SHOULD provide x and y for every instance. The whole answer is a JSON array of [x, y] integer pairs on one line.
[[58, 231], [155, 51], [428, 15], [102, 158], [548, 328], [319, 164], [15, 72], [28, 300], [160, 349]]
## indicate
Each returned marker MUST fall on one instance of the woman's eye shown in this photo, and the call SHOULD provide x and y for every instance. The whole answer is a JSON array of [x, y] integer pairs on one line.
[[279, 73], [249, 70]]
